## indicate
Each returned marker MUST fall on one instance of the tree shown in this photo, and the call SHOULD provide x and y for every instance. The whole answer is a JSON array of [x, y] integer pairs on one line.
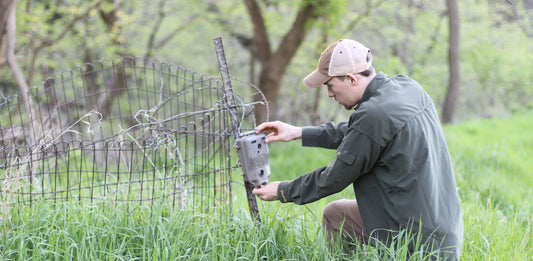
[[274, 62], [453, 62], [5, 9], [8, 22], [10, 28]]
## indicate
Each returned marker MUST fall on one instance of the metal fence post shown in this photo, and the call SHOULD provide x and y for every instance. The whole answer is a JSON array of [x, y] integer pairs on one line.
[[230, 102]]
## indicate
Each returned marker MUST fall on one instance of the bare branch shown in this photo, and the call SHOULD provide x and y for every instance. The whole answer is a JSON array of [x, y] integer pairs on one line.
[[293, 39], [155, 29], [369, 7], [171, 35], [260, 32]]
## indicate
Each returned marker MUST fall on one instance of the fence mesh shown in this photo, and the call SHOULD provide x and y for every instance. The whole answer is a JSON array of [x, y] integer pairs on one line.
[[124, 130]]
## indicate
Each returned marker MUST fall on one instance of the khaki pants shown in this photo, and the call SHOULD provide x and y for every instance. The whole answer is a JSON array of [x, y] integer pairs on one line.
[[343, 215]]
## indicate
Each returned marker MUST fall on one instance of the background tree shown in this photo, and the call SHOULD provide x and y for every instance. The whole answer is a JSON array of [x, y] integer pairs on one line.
[[5, 11], [275, 62], [8, 25], [453, 62]]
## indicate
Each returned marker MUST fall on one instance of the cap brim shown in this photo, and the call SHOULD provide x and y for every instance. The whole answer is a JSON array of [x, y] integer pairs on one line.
[[315, 79]]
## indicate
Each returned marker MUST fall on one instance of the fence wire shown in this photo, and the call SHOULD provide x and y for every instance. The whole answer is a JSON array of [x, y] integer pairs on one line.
[[127, 130]]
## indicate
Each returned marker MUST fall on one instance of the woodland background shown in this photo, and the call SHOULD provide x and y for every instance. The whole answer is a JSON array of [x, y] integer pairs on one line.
[[474, 57]]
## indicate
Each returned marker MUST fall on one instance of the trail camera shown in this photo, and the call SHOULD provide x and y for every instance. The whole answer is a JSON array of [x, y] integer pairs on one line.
[[253, 155]]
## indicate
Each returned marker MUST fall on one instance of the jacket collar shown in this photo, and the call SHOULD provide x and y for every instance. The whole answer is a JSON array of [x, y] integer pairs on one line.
[[372, 87]]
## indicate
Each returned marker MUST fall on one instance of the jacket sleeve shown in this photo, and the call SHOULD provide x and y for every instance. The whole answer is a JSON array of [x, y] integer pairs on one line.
[[355, 156], [326, 135]]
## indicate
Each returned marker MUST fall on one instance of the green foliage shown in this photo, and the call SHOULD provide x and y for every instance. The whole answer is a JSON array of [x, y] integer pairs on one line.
[[411, 38], [496, 75], [406, 37], [329, 11]]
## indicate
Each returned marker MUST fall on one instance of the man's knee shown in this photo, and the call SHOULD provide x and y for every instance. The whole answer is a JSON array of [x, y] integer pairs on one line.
[[343, 215], [329, 211], [334, 214]]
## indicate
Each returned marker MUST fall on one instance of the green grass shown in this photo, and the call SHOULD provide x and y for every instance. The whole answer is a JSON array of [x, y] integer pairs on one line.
[[492, 166]]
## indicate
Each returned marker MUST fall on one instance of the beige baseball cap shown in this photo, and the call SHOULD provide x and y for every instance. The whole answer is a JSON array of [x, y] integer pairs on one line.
[[342, 57]]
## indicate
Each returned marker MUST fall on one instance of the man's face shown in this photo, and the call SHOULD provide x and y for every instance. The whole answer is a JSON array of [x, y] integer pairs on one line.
[[346, 92]]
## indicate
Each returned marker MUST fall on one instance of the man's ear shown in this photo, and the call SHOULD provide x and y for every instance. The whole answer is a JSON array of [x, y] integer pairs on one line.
[[352, 78]]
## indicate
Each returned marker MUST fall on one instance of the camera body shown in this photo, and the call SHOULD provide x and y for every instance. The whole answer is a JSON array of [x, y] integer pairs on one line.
[[253, 155]]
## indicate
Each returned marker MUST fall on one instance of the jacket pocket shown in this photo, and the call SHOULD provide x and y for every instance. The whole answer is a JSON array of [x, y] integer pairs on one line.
[[346, 157]]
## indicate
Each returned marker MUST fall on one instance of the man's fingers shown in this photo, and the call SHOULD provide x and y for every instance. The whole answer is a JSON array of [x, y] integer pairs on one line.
[[259, 193], [272, 137], [279, 131], [268, 126], [263, 126]]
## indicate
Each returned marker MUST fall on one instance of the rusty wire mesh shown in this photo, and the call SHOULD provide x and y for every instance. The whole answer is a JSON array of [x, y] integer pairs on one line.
[[123, 130]]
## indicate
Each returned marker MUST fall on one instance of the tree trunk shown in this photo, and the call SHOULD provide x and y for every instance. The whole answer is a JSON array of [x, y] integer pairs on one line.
[[10, 52], [275, 63], [5, 7], [4, 11], [453, 62], [31, 107], [269, 82]]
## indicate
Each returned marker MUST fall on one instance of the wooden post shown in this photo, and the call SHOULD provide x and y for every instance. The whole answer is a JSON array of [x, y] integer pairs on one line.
[[230, 102]]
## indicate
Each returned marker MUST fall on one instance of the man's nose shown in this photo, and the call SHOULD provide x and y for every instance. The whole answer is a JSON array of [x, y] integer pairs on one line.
[[330, 93]]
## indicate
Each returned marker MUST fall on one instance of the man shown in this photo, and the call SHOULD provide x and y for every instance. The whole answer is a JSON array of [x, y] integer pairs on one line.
[[392, 150]]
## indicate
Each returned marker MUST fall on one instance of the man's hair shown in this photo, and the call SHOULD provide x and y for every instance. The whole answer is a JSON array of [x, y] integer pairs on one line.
[[368, 71], [364, 73]]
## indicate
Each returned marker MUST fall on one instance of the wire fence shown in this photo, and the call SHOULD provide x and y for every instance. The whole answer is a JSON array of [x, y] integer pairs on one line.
[[127, 130]]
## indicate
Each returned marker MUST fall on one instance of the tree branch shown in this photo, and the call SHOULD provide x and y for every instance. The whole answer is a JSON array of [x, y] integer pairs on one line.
[[293, 39], [171, 35], [369, 7], [260, 32], [155, 29]]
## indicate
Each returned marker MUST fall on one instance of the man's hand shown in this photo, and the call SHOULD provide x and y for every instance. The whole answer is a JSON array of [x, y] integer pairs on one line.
[[280, 131], [267, 192]]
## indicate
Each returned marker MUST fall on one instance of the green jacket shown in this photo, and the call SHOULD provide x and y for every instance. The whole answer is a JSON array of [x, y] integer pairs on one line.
[[394, 153]]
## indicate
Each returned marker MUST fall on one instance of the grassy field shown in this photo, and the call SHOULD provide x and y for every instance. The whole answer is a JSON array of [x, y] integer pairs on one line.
[[493, 167]]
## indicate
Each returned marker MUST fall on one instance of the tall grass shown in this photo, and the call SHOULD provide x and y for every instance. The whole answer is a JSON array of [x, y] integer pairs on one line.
[[493, 171], [107, 232]]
